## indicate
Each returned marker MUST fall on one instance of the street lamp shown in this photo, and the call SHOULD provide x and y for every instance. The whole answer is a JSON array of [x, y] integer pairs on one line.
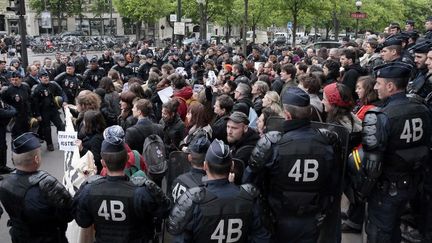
[[358, 4]]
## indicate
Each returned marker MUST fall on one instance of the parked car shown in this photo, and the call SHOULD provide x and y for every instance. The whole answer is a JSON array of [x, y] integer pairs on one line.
[[326, 44], [72, 33]]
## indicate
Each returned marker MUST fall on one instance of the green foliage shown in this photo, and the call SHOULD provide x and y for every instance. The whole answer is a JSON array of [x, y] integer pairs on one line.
[[60, 8], [144, 10], [99, 7]]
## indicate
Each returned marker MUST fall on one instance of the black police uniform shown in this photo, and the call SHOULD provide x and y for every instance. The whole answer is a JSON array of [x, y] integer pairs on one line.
[[39, 207], [92, 78], [298, 171], [188, 180], [124, 72], [134, 67], [6, 113], [395, 143], [121, 210], [218, 212], [421, 84], [302, 187], [144, 70], [106, 63], [19, 97], [70, 84], [4, 77], [43, 96]]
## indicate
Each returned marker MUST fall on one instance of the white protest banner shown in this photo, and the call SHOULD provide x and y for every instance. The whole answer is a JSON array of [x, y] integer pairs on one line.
[[66, 140]]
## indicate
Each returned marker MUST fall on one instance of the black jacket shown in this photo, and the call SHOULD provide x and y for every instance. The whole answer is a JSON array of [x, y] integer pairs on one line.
[[136, 134], [351, 74], [93, 143], [242, 149], [219, 128], [174, 132]]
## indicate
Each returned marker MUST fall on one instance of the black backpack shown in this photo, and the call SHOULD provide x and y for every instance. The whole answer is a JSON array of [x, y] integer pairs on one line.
[[154, 153]]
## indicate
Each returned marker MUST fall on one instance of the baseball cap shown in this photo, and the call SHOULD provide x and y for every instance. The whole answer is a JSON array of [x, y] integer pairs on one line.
[[295, 96]]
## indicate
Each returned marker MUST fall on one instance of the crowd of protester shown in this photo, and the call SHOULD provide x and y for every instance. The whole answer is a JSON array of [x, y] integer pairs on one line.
[[218, 93]]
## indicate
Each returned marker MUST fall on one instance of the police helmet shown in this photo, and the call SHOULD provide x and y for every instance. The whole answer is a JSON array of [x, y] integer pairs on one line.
[[58, 102]]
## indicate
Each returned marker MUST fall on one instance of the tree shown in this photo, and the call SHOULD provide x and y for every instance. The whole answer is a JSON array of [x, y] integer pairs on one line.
[[58, 8], [139, 11], [295, 8], [98, 8]]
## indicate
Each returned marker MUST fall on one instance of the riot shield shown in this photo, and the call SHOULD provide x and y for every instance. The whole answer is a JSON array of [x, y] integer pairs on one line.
[[177, 165], [331, 226]]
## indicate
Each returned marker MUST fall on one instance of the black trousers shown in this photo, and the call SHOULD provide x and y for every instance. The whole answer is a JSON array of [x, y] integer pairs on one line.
[[45, 126]]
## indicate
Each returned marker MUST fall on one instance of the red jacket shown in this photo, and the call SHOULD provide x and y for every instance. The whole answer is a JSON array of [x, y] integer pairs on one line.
[[183, 95]]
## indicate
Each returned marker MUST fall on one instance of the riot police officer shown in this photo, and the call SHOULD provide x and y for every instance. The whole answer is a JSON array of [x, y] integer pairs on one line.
[[93, 75], [47, 99], [420, 85], [196, 153], [121, 210], [396, 140], [18, 95], [122, 69], [144, 69], [70, 82], [302, 172], [38, 205], [219, 211], [106, 61], [6, 113]]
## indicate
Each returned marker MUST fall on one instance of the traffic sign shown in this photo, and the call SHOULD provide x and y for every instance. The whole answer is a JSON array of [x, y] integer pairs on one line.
[[289, 25], [358, 15]]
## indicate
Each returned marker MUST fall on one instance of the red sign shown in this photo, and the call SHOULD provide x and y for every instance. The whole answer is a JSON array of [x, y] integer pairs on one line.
[[358, 15]]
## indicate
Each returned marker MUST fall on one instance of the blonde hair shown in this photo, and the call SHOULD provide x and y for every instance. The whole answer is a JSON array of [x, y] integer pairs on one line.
[[275, 102]]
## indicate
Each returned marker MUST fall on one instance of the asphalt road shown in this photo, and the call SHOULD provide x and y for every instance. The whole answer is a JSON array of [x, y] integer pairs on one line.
[[52, 162]]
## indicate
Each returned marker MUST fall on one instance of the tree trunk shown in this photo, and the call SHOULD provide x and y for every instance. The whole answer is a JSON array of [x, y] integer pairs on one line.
[[102, 26], [294, 31], [138, 30], [246, 3], [253, 33]]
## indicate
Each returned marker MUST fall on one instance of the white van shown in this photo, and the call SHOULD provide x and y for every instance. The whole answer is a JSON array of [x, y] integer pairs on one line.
[[260, 37]]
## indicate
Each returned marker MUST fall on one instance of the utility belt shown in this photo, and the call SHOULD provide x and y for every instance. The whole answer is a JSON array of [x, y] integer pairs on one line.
[[300, 204], [25, 231], [392, 183]]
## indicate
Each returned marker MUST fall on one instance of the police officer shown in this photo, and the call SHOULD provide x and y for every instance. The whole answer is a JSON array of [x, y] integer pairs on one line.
[[70, 82], [121, 210], [106, 61], [4, 74], [395, 142], [122, 69], [134, 66], [93, 75], [219, 211], [196, 155], [18, 95], [6, 113], [38, 205], [47, 99], [420, 85], [301, 169], [144, 69]]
